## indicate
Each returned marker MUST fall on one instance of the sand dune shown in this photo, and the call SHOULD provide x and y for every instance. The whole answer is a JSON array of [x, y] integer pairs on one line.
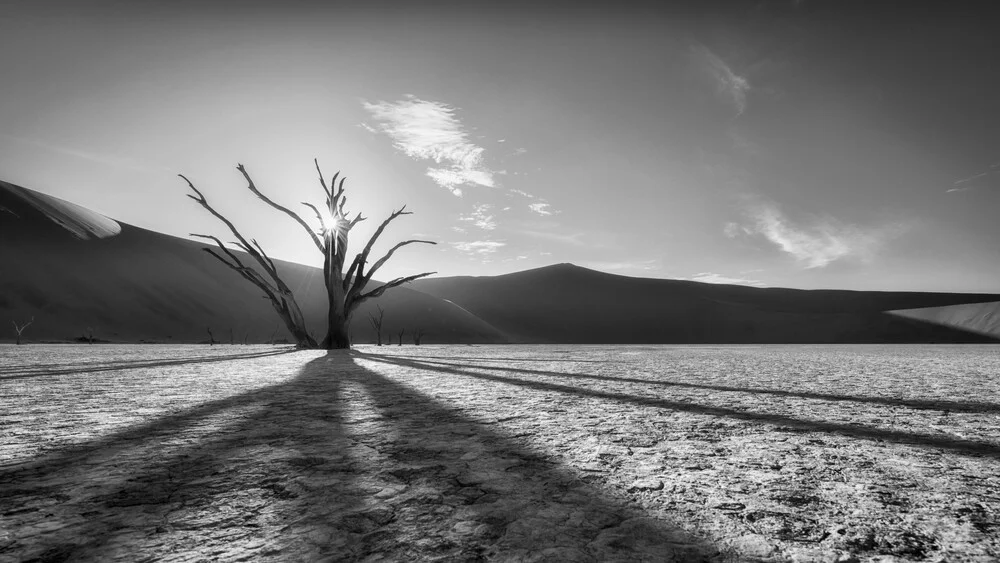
[[982, 318], [68, 268], [71, 269], [570, 304]]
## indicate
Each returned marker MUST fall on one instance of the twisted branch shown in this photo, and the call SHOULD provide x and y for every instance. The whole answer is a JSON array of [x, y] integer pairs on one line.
[[394, 283], [295, 216]]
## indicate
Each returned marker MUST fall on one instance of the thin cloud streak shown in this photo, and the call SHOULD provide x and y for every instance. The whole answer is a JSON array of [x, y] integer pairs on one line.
[[479, 247], [540, 208], [712, 277], [729, 84], [824, 241], [428, 130], [987, 179]]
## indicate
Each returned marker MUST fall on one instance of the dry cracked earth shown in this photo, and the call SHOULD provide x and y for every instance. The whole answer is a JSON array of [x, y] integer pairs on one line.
[[512, 453]]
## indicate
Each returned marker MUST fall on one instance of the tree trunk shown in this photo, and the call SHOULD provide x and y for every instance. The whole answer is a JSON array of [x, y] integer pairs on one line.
[[338, 318], [296, 326], [337, 336]]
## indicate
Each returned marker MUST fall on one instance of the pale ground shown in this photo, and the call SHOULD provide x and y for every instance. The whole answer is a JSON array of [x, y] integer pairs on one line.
[[809, 453]]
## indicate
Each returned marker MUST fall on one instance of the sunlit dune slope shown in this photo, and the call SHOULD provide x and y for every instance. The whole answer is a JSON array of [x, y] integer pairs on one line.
[[569, 304], [982, 318], [71, 269]]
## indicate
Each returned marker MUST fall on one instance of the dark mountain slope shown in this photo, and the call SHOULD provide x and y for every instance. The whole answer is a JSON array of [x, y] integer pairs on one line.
[[570, 304], [70, 269]]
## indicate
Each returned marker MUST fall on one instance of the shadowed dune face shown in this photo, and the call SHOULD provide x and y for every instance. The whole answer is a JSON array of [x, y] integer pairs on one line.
[[338, 461], [141, 285], [570, 304]]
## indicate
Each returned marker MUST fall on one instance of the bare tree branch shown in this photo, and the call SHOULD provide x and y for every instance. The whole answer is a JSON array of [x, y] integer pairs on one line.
[[360, 276], [21, 328], [295, 216], [319, 216], [346, 284], [248, 273], [355, 221], [389, 254], [264, 262], [378, 291], [322, 182], [377, 323]]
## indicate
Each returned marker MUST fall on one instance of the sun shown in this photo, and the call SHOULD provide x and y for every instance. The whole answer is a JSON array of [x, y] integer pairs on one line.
[[332, 222]]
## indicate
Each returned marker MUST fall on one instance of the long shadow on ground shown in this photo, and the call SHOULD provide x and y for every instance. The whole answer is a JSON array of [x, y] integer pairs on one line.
[[338, 463], [940, 405], [960, 446], [21, 372]]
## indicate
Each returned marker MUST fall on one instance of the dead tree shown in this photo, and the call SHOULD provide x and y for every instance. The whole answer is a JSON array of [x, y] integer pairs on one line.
[[417, 335], [211, 339], [274, 288], [271, 340], [245, 336], [90, 335], [401, 332], [345, 288], [20, 329], [377, 324]]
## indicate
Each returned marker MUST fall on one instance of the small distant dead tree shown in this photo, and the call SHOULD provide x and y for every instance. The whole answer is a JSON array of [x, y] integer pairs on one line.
[[211, 339], [90, 335], [245, 336], [345, 287], [377, 324], [230, 336], [271, 340], [401, 332], [417, 335], [20, 329]]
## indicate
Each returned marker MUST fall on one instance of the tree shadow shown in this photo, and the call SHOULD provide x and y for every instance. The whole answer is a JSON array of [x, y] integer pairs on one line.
[[96, 367], [940, 405], [340, 463], [554, 359], [960, 446]]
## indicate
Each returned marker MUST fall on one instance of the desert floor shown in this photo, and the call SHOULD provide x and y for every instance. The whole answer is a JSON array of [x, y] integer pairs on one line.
[[807, 453]]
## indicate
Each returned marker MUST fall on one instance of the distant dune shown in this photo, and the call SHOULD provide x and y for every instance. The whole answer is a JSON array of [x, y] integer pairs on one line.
[[981, 318], [569, 304], [71, 269]]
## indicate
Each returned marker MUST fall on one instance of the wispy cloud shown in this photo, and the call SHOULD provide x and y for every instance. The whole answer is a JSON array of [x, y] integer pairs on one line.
[[823, 241], [428, 130], [540, 208], [728, 84], [479, 247], [733, 230], [988, 179], [712, 277], [481, 217]]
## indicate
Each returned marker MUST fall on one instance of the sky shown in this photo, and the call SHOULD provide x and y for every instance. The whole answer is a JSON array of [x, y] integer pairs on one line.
[[808, 144]]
